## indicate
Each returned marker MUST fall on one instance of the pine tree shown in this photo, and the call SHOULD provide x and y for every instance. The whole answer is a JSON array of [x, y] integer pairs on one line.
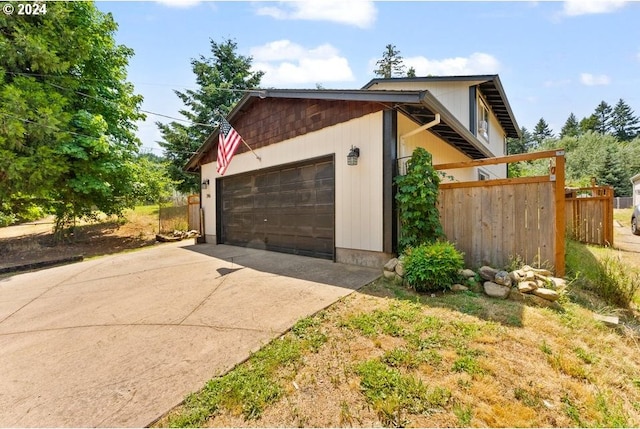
[[391, 63], [571, 127], [222, 80], [515, 146], [603, 114], [612, 173], [411, 72], [541, 132], [624, 125], [589, 123]]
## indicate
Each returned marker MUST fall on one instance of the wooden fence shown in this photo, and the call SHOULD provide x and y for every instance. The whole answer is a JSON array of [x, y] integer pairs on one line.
[[494, 221], [589, 215], [193, 212]]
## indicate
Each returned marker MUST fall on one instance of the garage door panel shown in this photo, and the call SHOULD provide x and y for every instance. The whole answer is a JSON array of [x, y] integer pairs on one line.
[[297, 202]]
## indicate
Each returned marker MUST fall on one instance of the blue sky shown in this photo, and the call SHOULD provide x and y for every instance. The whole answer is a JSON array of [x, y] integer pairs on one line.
[[553, 58]]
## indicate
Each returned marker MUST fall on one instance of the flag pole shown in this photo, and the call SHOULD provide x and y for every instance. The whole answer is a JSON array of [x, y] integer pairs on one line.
[[255, 154]]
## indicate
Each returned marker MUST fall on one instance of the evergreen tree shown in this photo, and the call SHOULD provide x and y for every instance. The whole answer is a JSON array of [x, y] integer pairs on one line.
[[541, 132], [624, 124], [611, 172], [571, 127], [222, 80], [411, 72], [391, 63], [603, 114]]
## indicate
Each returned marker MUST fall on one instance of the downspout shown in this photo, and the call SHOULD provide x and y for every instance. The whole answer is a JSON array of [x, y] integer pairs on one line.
[[426, 126]]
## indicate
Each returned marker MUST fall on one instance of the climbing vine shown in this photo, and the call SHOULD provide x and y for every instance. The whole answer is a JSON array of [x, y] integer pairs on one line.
[[417, 197]]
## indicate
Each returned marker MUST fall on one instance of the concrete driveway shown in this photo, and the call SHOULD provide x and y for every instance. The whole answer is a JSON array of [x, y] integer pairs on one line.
[[118, 341]]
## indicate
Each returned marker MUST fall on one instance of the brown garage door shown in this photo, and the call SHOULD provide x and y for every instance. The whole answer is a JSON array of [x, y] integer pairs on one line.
[[289, 209]]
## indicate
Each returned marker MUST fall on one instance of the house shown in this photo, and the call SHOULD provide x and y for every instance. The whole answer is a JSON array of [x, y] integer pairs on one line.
[[635, 182], [299, 193]]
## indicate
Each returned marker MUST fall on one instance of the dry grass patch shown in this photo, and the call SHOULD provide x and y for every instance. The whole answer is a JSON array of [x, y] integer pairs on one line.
[[384, 356]]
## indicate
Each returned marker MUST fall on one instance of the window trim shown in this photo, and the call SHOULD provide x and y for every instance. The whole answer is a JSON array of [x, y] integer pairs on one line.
[[483, 116]]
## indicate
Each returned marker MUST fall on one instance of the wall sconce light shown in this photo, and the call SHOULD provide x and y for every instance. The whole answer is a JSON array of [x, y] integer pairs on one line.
[[352, 158], [205, 183]]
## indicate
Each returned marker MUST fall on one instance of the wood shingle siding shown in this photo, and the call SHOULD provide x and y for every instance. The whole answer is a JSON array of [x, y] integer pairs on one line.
[[273, 120]]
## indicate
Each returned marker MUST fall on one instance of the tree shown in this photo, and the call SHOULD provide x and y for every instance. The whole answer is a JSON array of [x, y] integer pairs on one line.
[[589, 123], [222, 80], [624, 124], [571, 127], [603, 114], [411, 72], [515, 146], [612, 173], [67, 113], [541, 132], [391, 63]]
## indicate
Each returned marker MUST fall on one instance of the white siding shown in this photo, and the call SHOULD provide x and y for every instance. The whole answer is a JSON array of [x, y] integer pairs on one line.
[[441, 151], [358, 189]]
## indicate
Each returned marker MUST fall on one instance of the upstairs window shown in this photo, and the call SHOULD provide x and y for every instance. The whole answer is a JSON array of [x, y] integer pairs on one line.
[[483, 119]]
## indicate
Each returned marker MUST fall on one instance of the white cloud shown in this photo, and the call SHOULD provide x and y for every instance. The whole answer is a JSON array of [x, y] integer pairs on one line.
[[589, 79], [360, 13], [589, 7], [476, 63], [288, 64], [179, 3]]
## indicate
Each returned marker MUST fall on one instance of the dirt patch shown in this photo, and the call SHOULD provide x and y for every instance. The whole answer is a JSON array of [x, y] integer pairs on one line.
[[34, 242]]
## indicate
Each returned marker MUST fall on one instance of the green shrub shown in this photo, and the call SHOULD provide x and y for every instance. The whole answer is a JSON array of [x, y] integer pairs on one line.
[[431, 267]]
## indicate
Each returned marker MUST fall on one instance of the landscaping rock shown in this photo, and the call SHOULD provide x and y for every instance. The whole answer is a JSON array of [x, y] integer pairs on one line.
[[527, 286], [487, 273], [558, 283], [467, 273], [517, 275], [540, 283], [516, 295], [389, 274], [495, 290], [400, 269], [540, 271], [503, 278], [391, 265], [541, 302], [459, 288], [398, 279], [475, 287], [548, 294]]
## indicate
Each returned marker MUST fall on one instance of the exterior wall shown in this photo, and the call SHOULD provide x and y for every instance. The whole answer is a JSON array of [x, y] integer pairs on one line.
[[441, 151], [358, 189], [453, 95], [208, 201]]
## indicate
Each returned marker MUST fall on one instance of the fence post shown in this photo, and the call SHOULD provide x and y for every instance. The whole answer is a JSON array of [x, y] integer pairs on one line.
[[560, 215]]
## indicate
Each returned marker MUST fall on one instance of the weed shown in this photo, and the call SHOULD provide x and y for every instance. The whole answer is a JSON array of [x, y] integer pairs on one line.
[[394, 321], [308, 329], [468, 364], [571, 410], [544, 347], [612, 415], [464, 415], [529, 399], [401, 358], [568, 366], [586, 356], [394, 395]]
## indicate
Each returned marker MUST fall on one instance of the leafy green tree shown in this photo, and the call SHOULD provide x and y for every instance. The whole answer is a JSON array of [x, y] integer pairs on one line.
[[391, 64], [222, 80], [624, 124], [67, 113], [603, 113], [589, 123], [515, 146], [541, 132], [411, 72], [571, 127]]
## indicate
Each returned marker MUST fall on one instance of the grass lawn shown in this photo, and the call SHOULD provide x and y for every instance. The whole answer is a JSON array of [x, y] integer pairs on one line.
[[385, 356]]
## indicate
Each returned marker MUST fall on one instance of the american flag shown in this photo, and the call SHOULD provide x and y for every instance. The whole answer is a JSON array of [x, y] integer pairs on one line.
[[228, 142]]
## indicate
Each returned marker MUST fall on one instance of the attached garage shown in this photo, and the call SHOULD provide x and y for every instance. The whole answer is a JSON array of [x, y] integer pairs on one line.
[[288, 208]]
